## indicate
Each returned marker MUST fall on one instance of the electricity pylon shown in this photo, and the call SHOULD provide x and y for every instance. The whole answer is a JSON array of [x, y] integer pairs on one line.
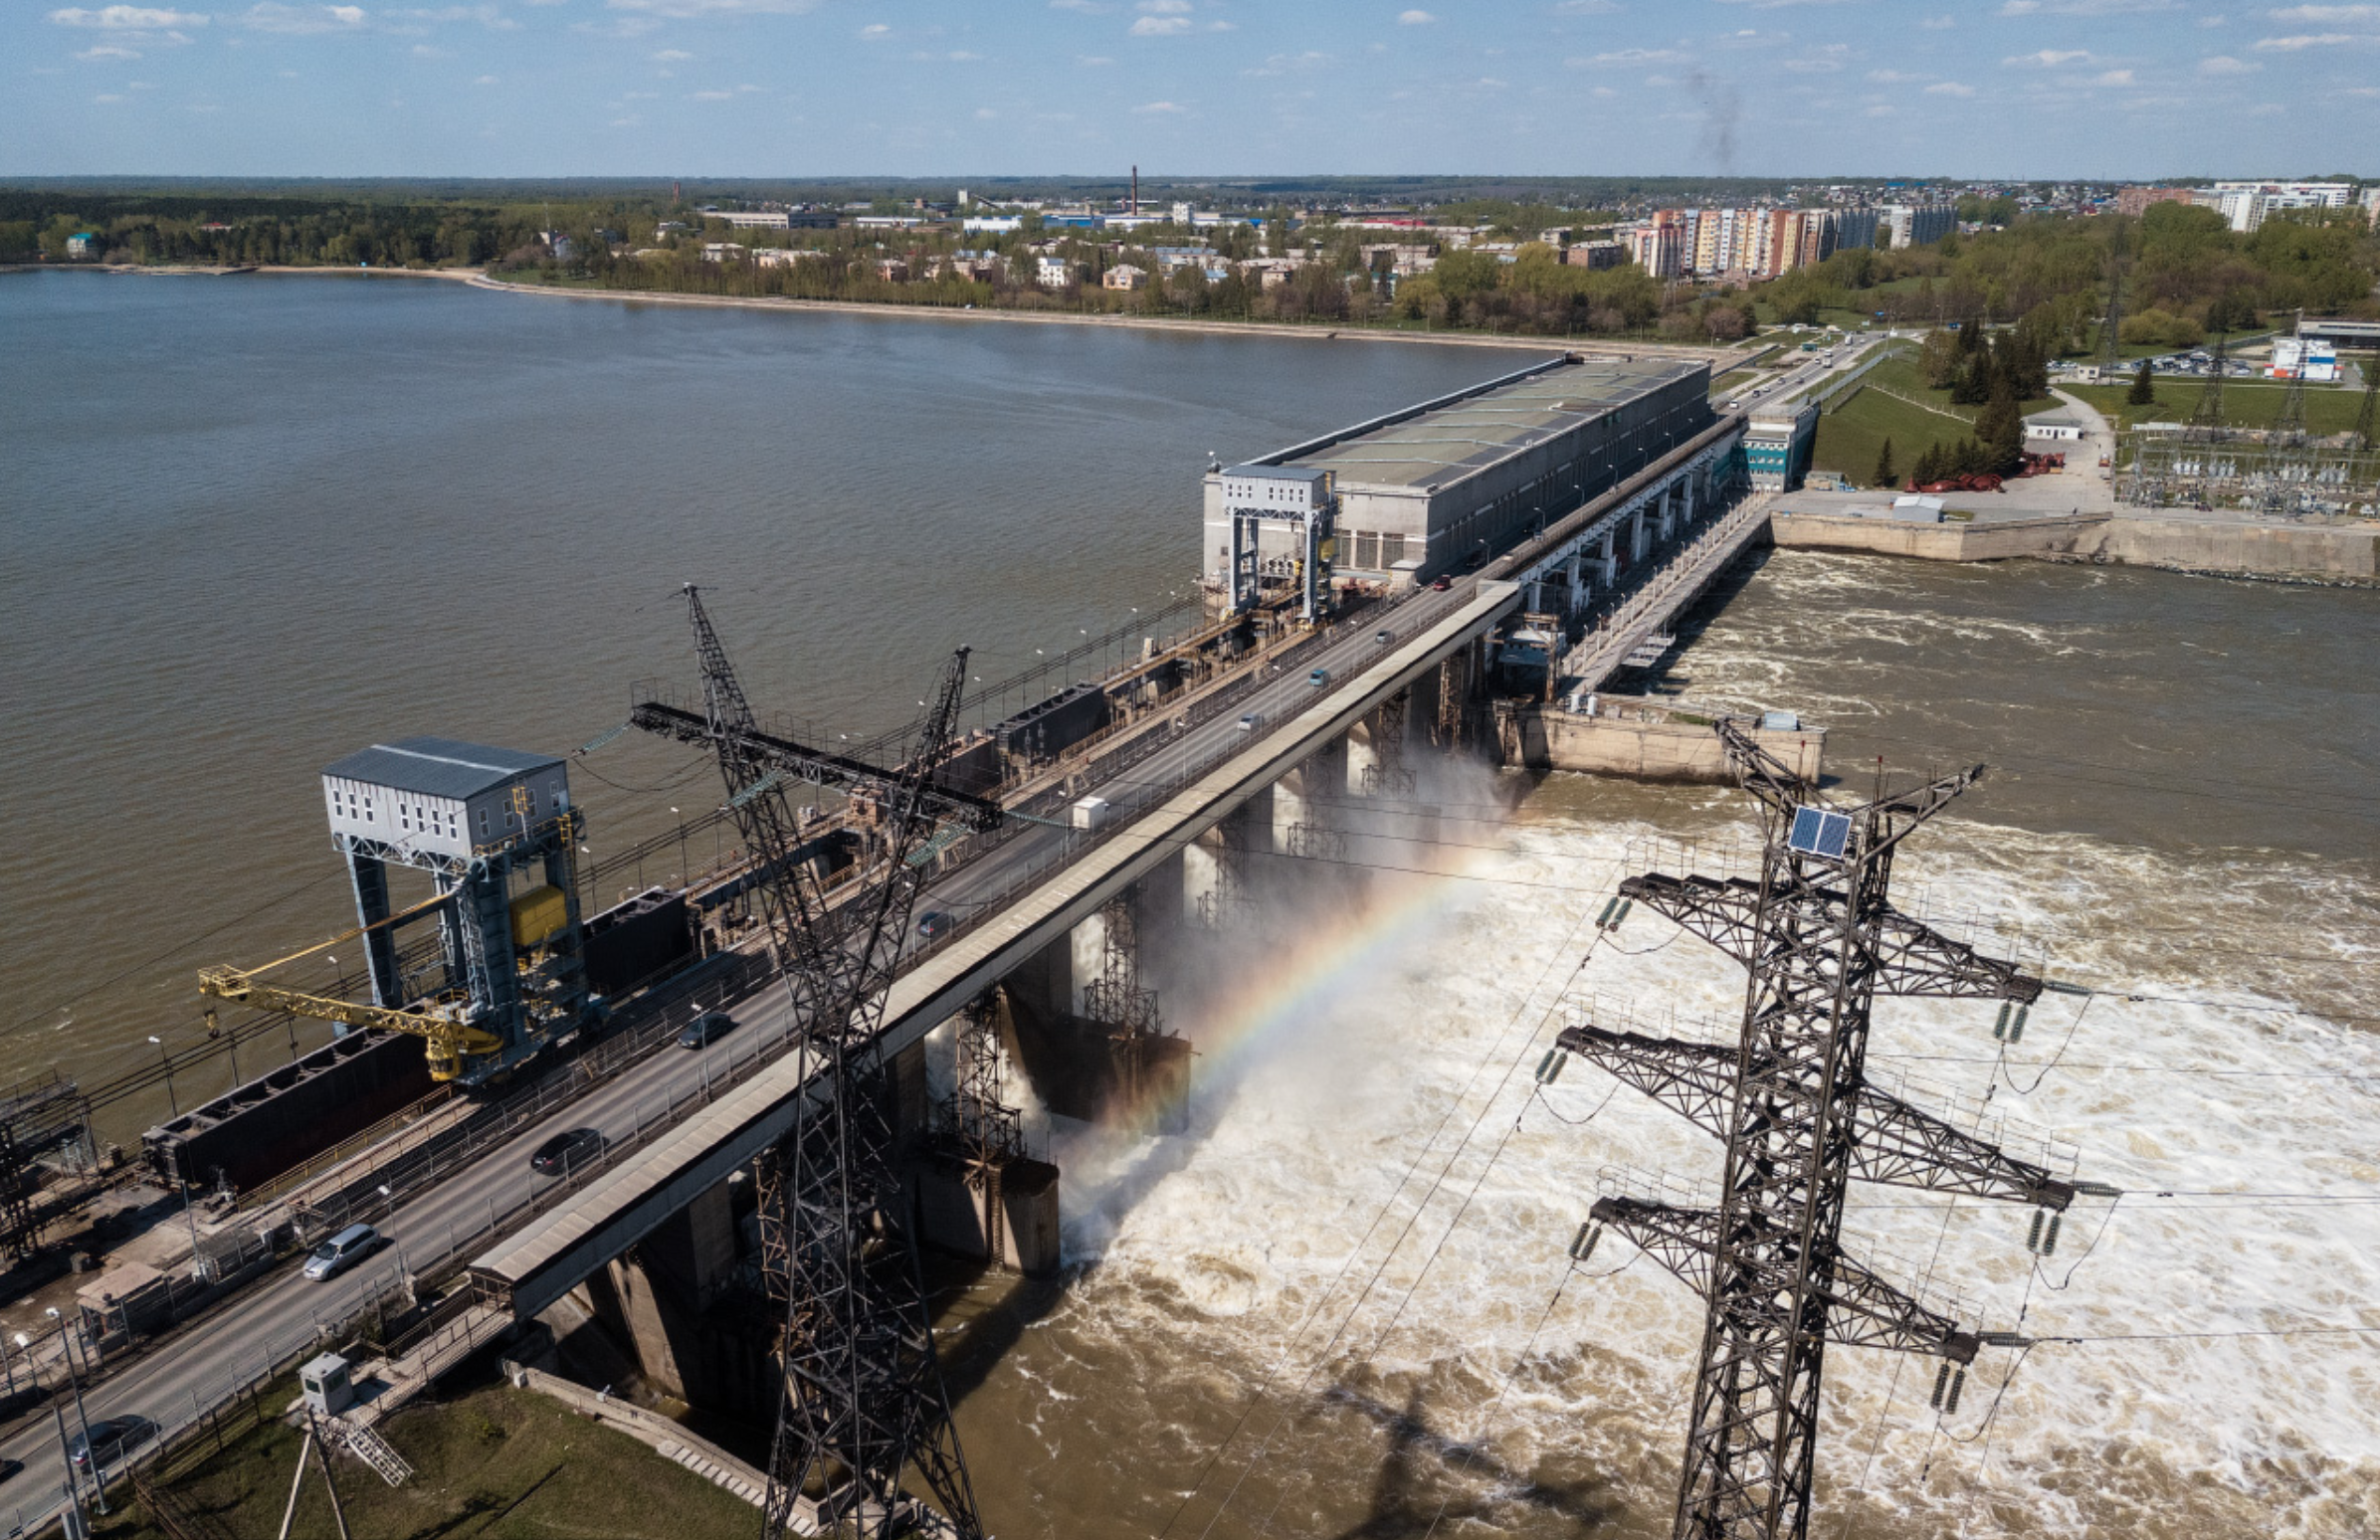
[[863, 1402], [1821, 939]]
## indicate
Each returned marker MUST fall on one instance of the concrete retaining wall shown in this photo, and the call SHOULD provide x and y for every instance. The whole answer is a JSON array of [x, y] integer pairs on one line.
[[1644, 748], [2333, 553]]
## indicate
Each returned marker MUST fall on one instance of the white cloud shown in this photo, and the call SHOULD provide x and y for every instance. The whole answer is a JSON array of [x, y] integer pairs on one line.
[[695, 10], [1160, 26], [486, 80], [2225, 64], [1165, 7], [1950, 89], [301, 19], [107, 98], [1161, 108], [1093, 60], [714, 96], [98, 52], [127, 18], [1075, 5], [2327, 13], [2112, 77], [874, 31], [2302, 41], [1634, 56], [1893, 77], [2050, 57], [2085, 7], [1415, 17], [1587, 7], [985, 114], [671, 56], [1938, 22], [1881, 110]]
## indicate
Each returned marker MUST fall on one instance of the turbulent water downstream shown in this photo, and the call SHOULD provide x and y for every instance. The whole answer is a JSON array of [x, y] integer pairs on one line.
[[1339, 1305]]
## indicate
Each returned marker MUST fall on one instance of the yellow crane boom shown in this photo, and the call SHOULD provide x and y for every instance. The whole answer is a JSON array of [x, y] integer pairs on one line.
[[448, 1036]]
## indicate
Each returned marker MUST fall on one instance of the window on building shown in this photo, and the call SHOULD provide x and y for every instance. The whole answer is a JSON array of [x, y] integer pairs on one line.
[[1392, 549], [482, 823], [1367, 549]]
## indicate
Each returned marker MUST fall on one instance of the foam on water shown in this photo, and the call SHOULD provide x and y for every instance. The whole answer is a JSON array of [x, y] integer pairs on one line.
[[1317, 1255]]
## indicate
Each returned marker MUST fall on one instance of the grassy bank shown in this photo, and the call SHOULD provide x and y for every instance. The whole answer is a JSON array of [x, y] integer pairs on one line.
[[495, 1464], [1894, 402], [2328, 409]]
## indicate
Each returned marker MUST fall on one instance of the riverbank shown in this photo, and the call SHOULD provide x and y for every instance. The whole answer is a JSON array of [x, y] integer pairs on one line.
[[1719, 359]]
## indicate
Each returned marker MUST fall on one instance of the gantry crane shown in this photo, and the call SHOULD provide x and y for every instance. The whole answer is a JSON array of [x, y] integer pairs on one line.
[[443, 1022]]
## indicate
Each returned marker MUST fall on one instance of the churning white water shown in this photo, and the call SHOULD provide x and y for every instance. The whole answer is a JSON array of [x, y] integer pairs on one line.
[[1342, 1306]]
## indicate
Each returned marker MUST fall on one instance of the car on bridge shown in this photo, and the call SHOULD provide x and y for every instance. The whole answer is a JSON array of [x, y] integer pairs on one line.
[[1320, 678], [108, 1440], [572, 1147], [341, 1252], [932, 923], [1252, 721], [706, 1030], [1383, 637]]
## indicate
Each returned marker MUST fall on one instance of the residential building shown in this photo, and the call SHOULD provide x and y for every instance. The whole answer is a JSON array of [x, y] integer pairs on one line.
[[782, 255], [2133, 201], [1054, 271], [1854, 228], [82, 246], [1915, 223], [2243, 205], [1125, 277], [722, 250], [892, 269], [1659, 249], [1596, 255]]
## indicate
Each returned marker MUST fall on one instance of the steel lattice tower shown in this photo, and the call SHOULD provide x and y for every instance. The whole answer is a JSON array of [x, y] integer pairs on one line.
[[1386, 775], [864, 1403], [1821, 939]]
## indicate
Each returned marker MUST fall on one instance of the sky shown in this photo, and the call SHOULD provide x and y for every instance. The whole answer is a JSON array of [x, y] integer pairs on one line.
[[2017, 88]]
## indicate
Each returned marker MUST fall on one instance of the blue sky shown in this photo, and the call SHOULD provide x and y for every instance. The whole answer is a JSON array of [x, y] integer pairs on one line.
[[795, 87]]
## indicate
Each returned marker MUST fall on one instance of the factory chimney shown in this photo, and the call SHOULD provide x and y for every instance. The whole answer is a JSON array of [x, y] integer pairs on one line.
[[1136, 190]]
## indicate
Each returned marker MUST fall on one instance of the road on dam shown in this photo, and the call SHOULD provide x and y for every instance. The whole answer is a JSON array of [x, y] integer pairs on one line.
[[272, 1320]]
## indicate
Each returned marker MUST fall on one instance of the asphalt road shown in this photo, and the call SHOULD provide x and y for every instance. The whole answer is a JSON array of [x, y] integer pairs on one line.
[[276, 1318]]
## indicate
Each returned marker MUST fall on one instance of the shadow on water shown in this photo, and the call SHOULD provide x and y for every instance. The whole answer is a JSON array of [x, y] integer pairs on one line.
[[1420, 1459]]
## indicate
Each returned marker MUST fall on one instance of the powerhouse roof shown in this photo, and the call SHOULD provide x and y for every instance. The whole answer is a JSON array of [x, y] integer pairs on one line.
[[1448, 443], [438, 767]]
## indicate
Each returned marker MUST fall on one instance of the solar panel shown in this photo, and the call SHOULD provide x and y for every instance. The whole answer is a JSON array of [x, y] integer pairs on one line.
[[1817, 831]]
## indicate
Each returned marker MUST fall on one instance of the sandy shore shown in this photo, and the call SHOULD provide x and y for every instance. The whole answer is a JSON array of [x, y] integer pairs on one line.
[[1719, 359]]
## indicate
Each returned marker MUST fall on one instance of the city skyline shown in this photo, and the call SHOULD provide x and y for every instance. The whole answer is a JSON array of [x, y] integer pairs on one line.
[[2039, 89]]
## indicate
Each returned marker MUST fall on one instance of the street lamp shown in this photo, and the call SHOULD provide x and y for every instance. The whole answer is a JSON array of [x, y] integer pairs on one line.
[[98, 1474]]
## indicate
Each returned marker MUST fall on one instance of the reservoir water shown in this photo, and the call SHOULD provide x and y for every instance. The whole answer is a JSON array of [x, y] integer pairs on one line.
[[251, 525]]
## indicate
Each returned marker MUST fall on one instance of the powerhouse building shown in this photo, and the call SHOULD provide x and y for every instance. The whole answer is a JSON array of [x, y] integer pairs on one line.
[[1432, 488]]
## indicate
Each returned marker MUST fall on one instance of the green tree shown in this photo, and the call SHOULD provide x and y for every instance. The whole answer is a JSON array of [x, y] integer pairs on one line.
[[1930, 466], [2000, 432], [1886, 474], [2144, 387]]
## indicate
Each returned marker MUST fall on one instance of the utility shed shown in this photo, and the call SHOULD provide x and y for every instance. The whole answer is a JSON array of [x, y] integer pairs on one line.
[[1467, 474], [442, 797]]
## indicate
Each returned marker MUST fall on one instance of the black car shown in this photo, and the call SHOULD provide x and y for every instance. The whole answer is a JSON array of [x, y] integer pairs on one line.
[[566, 1151], [706, 1029], [932, 924], [112, 1438]]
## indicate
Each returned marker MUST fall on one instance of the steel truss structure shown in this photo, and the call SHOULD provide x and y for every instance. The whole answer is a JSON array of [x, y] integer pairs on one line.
[[1386, 775], [1116, 999], [1228, 899], [864, 1403], [1820, 937]]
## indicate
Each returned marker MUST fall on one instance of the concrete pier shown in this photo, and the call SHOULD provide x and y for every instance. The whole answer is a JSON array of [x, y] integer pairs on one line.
[[2174, 540], [1642, 740]]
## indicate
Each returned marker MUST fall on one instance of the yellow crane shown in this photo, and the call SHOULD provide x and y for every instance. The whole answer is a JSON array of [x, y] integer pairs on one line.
[[439, 1023]]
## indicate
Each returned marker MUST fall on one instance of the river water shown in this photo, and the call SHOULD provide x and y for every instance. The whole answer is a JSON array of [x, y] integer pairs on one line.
[[251, 525]]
